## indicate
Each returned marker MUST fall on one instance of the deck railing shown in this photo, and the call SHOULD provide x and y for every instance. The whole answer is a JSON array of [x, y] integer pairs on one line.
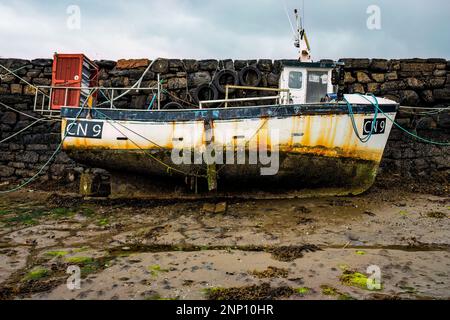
[[45, 94]]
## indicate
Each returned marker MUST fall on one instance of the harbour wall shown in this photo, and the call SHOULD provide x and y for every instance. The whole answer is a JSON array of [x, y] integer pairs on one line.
[[412, 82]]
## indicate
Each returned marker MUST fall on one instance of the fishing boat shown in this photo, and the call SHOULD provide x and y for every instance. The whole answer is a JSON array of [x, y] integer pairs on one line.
[[308, 139]]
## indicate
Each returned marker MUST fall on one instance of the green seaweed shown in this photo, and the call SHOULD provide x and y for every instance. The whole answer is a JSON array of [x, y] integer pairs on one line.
[[329, 291], [303, 290], [27, 216], [80, 260], [56, 253], [356, 279], [36, 274], [103, 222], [156, 269]]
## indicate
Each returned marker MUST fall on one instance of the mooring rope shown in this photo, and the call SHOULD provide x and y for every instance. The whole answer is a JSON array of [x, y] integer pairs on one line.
[[377, 110]]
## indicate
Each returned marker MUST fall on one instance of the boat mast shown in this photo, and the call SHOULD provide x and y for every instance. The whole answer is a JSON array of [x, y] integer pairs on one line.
[[301, 40]]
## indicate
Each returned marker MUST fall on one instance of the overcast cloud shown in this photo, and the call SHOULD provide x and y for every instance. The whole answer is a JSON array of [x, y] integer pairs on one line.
[[223, 28]]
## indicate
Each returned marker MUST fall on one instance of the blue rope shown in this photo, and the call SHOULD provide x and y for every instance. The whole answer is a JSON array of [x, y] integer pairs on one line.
[[413, 134], [352, 117], [377, 110], [151, 103]]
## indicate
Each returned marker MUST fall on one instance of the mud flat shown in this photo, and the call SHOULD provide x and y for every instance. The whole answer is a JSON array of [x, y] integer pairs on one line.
[[283, 249]]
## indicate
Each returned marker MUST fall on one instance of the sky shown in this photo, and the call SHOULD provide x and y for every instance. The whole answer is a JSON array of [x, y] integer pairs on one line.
[[222, 29]]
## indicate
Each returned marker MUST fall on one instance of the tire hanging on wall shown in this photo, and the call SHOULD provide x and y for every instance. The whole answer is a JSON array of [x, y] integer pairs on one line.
[[226, 77], [250, 76], [206, 91], [173, 106]]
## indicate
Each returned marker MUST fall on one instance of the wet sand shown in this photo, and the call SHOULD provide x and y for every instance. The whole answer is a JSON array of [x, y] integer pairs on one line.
[[285, 249]]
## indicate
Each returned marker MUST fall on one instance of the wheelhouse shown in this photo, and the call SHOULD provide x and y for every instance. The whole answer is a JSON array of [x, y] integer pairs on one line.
[[307, 82]]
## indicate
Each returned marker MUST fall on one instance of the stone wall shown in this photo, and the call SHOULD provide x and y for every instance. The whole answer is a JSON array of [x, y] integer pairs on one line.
[[413, 82]]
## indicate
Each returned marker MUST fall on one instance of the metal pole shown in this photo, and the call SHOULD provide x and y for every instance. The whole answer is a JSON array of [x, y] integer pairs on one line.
[[65, 96], [226, 96], [112, 99], [159, 92], [49, 99], [35, 99]]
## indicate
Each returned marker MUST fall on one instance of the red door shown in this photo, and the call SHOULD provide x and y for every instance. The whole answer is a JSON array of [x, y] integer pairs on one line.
[[67, 70]]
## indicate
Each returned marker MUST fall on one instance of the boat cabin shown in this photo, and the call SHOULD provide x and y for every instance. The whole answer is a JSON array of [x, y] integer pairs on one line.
[[307, 82]]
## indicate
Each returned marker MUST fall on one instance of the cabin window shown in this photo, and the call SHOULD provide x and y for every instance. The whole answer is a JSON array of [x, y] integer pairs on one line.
[[317, 86], [295, 79]]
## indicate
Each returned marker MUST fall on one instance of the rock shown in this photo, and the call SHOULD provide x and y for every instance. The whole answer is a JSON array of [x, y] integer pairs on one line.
[[427, 96], [373, 87], [16, 88], [436, 83], [442, 94], [378, 77], [417, 67], [440, 73], [29, 90], [132, 63], [414, 83], [379, 65], [221, 207], [426, 123], [8, 78], [208, 65], [409, 97], [9, 117], [363, 77], [355, 63], [177, 83], [391, 76], [28, 157], [42, 62], [348, 78], [105, 64], [6, 171], [34, 73], [393, 86], [358, 88], [42, 81], [443, 120], [198, 78], [176, 65], [209, 208], [191, 65], [265, 65], [4, 89]]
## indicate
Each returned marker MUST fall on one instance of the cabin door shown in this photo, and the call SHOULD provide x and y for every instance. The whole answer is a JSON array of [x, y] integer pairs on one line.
[[294, 79], [316, 86]]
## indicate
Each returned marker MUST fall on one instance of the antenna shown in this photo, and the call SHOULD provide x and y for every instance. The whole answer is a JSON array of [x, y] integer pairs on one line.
[[301, 40]]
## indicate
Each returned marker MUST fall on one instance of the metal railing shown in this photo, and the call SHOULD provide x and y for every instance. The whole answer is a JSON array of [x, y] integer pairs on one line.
[[45, 94]]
